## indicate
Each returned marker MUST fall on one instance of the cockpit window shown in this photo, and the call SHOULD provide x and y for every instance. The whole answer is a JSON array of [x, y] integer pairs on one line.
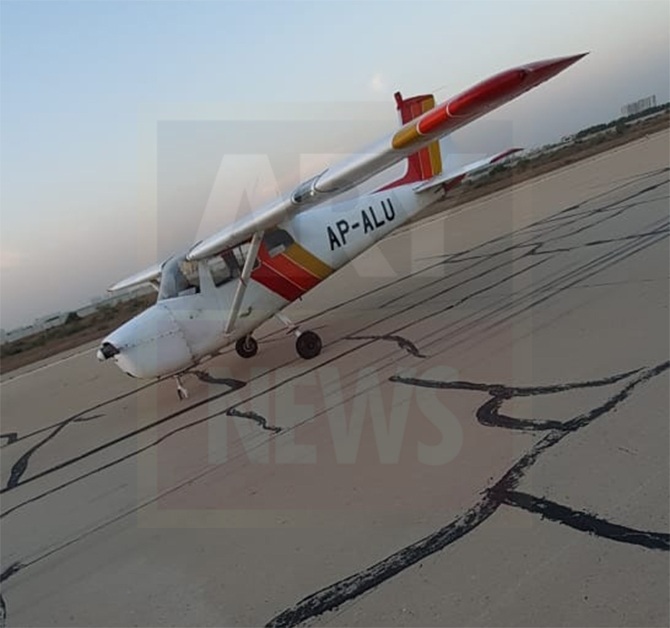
[[179, 276]]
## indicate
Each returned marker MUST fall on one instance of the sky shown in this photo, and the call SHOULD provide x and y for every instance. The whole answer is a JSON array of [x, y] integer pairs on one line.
[[124, 125]]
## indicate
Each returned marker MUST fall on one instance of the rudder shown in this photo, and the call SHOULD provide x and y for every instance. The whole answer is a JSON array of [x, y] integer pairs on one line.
[[427, 162]]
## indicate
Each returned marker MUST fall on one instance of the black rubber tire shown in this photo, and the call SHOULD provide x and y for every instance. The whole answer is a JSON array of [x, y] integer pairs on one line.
[[246, 347], [308, 345]]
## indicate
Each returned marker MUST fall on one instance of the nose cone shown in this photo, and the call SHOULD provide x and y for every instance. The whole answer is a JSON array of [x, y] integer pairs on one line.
[[150, 345]]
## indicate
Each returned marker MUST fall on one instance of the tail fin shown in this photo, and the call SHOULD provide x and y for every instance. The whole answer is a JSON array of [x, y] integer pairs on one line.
[[427, 162]]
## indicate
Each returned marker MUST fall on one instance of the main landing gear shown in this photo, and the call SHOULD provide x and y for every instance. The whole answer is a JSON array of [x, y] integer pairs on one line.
[[307, 343]]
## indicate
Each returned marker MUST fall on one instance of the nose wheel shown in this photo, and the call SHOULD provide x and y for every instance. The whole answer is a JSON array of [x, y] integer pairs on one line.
[[246, 347], [182, 393]]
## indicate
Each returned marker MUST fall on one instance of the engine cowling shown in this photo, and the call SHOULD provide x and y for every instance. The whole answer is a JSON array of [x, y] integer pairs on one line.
[[150, 345]]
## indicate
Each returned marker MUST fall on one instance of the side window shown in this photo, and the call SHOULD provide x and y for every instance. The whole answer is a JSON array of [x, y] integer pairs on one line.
[[229, 264], [241, 253], [277, 241]]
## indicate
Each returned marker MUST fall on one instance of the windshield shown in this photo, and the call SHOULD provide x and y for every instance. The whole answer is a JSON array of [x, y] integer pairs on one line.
[[178, 276]]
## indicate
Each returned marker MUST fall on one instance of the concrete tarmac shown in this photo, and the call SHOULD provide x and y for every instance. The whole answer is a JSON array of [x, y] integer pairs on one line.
[[482, 442]]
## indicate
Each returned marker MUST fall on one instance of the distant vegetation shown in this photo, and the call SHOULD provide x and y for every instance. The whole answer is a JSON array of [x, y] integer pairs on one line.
[[552, 156], [104, 319], [620, 124], [583, 144]]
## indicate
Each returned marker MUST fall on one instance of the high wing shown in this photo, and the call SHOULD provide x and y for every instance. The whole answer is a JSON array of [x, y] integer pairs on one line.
[[149, 275], [449, 180], [439, 121], [446, 180], [413, 136]]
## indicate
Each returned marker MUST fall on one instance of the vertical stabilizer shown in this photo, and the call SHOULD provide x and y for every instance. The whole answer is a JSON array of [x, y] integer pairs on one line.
[[427, 162]]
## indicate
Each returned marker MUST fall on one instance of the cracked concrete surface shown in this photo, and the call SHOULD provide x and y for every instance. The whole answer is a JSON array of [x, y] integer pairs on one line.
[[483, 441]]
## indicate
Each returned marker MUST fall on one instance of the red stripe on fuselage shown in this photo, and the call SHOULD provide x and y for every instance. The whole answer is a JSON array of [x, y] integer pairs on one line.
[[283, 275], [274, 281], [295, 273]]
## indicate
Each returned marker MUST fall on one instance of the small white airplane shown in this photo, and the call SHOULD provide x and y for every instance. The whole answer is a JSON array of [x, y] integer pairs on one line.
[[223, 288]]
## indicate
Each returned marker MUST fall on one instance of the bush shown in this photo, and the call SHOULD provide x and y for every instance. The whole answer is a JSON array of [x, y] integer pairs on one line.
[[72, 318]]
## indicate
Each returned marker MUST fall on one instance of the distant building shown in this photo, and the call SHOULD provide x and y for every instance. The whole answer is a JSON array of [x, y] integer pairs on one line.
[[54, 320], [111, 300], [16, 334], [47, 322], [639, 105], [39, 324]]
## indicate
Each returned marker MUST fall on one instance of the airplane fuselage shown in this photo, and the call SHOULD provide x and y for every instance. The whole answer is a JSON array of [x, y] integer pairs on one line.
[[176, 333], [210, 297]]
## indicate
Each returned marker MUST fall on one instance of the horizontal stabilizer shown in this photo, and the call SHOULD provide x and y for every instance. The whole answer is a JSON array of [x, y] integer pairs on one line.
[[146, 276], [449, 180]]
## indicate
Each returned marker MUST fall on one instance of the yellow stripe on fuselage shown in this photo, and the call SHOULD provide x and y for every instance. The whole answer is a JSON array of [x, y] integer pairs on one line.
[[308, 261]]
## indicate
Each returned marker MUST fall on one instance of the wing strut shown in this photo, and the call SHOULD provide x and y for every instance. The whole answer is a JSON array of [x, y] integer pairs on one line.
[[249, 262]]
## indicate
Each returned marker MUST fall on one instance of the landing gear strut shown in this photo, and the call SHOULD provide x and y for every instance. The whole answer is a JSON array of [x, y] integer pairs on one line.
[[307, 343], [182, 393], [246, 347]]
